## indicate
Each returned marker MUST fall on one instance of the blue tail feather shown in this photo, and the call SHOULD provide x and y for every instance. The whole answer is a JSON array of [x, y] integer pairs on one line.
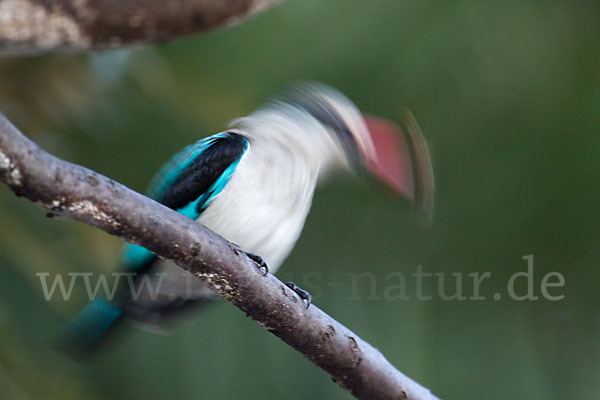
[[89, 325]]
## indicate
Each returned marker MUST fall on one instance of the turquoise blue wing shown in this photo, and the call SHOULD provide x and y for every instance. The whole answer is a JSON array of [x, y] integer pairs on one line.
[[189, 182]]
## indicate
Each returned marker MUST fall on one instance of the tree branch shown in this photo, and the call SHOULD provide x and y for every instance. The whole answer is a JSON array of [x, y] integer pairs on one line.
[[81, 194], [28, 26]]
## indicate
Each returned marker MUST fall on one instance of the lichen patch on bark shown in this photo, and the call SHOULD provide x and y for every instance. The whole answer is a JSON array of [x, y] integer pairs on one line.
[[10, 169], [27, 22]]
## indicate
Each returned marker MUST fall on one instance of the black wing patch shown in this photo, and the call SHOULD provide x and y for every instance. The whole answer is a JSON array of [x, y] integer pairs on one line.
[[197, 179]]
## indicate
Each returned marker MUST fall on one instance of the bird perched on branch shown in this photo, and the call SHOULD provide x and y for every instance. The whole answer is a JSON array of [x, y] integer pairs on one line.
[[253, 184]]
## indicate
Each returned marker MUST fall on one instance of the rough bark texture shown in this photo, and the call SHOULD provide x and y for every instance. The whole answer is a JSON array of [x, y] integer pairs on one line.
[[28, 26], [75, 192]]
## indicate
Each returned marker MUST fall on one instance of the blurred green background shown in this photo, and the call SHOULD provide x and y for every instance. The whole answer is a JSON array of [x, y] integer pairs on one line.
[[508, 95]]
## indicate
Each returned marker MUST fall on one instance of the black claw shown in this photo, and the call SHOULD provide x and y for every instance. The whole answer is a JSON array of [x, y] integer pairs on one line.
[[260, 263], [303, 294]]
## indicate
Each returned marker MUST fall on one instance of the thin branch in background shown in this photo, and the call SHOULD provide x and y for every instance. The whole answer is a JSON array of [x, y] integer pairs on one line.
[[32, 26], [83, 195]]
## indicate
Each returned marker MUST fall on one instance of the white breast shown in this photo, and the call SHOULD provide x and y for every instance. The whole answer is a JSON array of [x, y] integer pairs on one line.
[[263, 207]]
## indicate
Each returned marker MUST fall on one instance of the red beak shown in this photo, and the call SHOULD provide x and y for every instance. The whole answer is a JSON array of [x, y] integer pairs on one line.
[[402, 161]]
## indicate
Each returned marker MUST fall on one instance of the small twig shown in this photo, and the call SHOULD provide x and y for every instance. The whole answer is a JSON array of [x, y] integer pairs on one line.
[[31, 26], [76, 192]]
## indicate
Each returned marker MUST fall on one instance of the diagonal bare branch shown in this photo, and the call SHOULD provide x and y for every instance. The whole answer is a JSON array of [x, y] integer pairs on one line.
[[78, 193], [30, 26]]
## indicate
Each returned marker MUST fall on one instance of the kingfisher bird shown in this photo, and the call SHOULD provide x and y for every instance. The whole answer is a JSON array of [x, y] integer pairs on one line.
[[253, 184]]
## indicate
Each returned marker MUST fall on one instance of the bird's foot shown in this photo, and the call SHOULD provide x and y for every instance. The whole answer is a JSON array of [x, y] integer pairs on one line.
[[260, 263], [303, 294]]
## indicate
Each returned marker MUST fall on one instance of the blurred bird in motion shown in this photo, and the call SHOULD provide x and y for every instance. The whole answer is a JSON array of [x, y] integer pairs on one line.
[[253, 184]]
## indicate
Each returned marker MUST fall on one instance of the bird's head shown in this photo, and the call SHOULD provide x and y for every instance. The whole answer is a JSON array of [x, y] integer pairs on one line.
[[322, 130], [397, 157]]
